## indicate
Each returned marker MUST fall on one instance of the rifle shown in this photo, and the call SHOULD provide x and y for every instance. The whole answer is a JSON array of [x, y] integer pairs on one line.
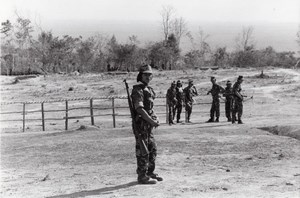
[[251, 97], [141, 142]]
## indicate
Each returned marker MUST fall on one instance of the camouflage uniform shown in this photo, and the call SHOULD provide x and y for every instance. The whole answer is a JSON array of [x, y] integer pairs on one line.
[[179, 97], [229, 100], [143, 97], [189, 92], [171, 101], [215, 106], [237, 106]]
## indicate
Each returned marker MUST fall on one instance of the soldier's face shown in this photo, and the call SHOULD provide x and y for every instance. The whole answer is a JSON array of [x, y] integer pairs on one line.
[[146, 78]]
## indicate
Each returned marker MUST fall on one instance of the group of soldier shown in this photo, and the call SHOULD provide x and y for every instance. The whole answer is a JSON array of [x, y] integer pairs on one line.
[[177, 97], [145, 119]]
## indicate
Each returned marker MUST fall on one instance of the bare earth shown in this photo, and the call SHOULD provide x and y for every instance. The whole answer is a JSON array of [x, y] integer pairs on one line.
[[260, 158]]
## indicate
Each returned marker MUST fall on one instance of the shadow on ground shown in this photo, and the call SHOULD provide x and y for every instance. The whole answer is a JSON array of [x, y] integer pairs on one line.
[[106, 190]]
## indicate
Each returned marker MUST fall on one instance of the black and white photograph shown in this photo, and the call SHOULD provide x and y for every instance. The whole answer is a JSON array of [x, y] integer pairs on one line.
[[150, 98]]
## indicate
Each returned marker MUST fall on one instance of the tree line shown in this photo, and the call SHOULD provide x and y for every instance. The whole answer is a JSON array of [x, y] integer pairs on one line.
[[21, 53]]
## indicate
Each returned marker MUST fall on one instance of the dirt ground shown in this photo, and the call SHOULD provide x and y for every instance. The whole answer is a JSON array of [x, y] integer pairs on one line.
[[260, 158]]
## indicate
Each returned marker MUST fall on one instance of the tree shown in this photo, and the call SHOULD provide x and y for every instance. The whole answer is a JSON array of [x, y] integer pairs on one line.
[[112, 47], [42, 48], [245, 49], [192, 58], [16, 43], [200, 51], [245, 40], [6, 28], [179, 28], [172, 46], [220, 56], [7, 47], [100, 52], [167, 17], [23, 30], [85, 53], [164, 54]]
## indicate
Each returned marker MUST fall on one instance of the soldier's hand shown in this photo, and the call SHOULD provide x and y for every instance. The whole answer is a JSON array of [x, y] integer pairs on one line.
[[154, 123]]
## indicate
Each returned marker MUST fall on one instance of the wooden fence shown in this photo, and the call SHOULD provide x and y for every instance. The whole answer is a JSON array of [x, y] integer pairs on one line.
[[42, 111]]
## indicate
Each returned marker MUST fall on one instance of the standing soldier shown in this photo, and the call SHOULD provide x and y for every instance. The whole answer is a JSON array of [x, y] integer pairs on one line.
[[171, 101], [215, 106], [228, 100], [189, 92], [142, 98], [179, 97], [237, 107]]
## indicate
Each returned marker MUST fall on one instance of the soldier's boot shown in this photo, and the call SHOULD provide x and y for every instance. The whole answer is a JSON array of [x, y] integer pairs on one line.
[[155, 176], [233, 120], [211, 120], [145, 179], [240, 121], [217, 119]]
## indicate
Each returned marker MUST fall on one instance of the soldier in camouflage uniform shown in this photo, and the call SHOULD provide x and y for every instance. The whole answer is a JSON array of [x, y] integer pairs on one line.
[[189, 92], [171, 101], [229, 99], [237, 107], [142, 98], [179, 97], [215, 106]]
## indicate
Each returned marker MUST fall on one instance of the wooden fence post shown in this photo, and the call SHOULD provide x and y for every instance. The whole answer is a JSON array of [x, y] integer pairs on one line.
[[23, 117], [43, 117], [66, 122], [113, 112], [92, 113]]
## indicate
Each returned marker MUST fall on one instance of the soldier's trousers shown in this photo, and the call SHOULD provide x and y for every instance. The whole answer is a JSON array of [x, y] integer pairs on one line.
[[237, 108], [146, 163], [171, 113], [178, 110], [228, 108], [215, 108], [188, 109]]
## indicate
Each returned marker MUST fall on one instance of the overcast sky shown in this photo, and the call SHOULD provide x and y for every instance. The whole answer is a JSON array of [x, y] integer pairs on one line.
[[275, 22], [124, 10]]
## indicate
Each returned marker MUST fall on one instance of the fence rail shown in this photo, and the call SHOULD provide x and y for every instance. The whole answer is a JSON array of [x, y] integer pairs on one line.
[[68, 109]]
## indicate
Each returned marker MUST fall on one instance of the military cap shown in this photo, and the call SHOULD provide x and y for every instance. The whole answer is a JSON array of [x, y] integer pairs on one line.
[[228, 82], [178, 82], [190, 81], [173, 83], [212, 77], [146, 69], [240, 78]]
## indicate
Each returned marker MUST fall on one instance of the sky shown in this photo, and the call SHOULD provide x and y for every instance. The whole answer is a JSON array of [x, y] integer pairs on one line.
[[149, 10], [120, 17]]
